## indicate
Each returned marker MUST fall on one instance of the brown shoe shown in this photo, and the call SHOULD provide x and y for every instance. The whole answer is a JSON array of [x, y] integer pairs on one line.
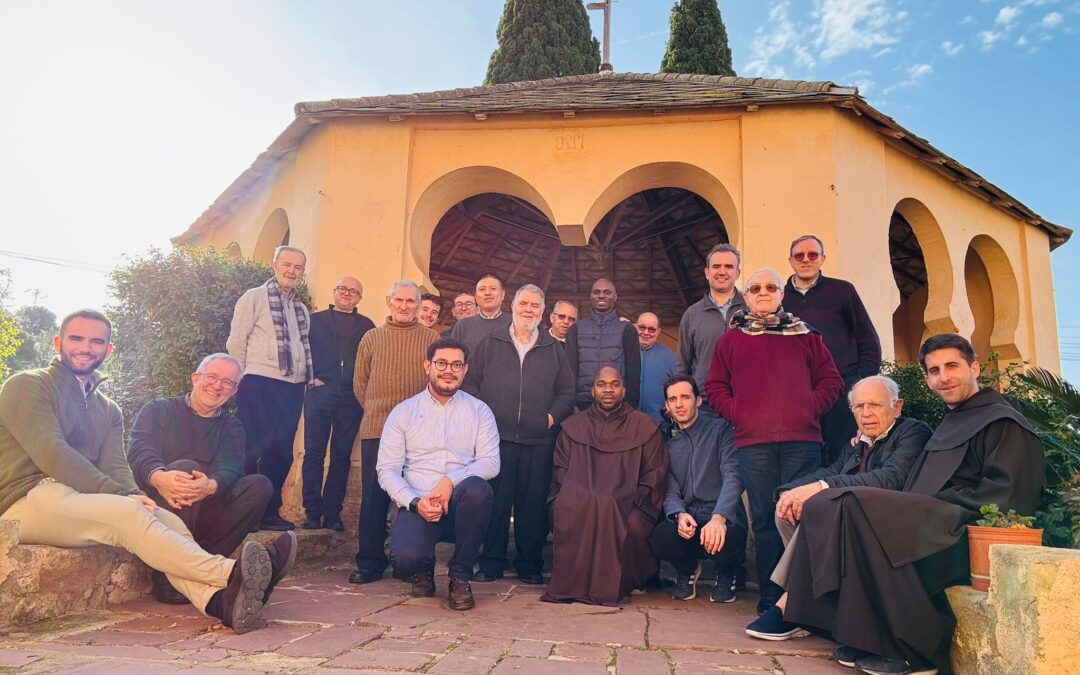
[[241, 601], [461, 597], [423, 585]]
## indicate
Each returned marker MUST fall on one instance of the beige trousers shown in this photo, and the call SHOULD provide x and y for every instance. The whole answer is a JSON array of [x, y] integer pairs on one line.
[[789, 533], [56, 515]]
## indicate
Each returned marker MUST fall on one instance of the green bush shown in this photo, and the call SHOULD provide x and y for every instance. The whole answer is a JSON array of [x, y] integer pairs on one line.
[[172, 309]]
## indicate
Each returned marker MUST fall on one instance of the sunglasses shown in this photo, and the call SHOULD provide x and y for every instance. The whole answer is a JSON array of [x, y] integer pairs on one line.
[[566, 317], [810, 255], [647, 329], [754, 289]]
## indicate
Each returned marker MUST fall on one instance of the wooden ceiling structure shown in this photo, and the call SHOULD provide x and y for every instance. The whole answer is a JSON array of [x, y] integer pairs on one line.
[[908, 264], [652, 245]]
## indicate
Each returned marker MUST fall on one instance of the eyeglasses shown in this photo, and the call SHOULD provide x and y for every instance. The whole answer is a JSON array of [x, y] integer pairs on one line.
[[809, 255], [647, 329], [212, 379], [870, 406], [566, 317], [754, 289], [345, 290], [455, 366], [464, 305]]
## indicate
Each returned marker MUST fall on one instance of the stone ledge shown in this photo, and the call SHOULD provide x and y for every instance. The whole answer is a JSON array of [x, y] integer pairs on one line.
[[43, 582], [1026, 623]]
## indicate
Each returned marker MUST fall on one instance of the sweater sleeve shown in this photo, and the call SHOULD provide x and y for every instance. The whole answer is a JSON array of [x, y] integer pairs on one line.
[[27, 412], [113, 461], [563, 404], [866, 338], [825, 380], [730, 497], [684, 363], [227, 464], [474, 377], [718, 383], [144, 452], [632, 356], [243, 321], [362, 371]]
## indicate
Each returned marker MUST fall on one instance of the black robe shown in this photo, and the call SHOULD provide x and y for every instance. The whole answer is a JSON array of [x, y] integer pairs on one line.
[[608, 485], [871, 565]]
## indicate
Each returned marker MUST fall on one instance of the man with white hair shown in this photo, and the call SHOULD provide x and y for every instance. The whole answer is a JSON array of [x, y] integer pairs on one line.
[[525, 378], [771, 377], [389, 369], [187, 454], [269, 337]]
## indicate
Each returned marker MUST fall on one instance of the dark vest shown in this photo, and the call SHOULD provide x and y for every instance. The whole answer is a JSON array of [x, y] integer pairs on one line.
[[599, 344]]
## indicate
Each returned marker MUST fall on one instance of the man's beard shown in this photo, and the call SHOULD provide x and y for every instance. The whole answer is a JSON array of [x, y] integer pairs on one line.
[[445, 388], [68, 360], [526, 325]]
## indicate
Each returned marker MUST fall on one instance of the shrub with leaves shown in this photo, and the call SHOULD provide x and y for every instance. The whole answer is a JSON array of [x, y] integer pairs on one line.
[[919, 402], [993, 517], [172, 309]]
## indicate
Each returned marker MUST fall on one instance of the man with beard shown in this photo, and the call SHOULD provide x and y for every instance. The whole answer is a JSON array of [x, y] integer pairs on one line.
[[187, 454], [65, 480], [430, 309], [389, 369], [603, 339], [607, 492], [870, 566], [523, 375], [563, 316], [439, 449], [269, 337], [489, 297], [331, 412], [772, 378]]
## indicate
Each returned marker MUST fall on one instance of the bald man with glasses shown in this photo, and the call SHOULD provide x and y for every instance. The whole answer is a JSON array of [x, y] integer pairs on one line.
[[657, 365]]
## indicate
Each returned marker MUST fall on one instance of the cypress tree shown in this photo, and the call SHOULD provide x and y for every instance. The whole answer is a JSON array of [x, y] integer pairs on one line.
[[698, 42], [543, 38]]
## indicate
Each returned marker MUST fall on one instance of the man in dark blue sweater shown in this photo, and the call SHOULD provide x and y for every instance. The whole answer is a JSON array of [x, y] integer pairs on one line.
[[331, 411], [704, 515]]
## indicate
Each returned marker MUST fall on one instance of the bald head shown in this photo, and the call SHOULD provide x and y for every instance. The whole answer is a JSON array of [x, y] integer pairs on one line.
[[603, 296], [347, 293], [648, 329], [608, 391]]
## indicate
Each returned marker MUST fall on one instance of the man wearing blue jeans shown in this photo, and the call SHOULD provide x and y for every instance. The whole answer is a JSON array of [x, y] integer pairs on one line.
[[772, 378]]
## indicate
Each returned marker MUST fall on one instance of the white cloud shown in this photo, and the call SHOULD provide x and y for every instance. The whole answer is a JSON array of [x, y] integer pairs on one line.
[[851, 25], [967, 20], [1021, 41], [950, 48], [915, 73], [767, 45], [1051, 20], [988, 38], [1007, 15]]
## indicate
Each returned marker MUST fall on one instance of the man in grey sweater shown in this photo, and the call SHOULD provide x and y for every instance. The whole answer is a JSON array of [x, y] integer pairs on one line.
[[489, 298]]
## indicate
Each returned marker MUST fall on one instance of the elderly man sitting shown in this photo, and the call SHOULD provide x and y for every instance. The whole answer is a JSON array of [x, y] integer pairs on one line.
[[886, 448], [772, 378]]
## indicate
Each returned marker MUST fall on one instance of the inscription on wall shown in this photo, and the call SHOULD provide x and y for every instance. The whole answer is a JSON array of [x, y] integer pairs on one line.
[[569, 142]]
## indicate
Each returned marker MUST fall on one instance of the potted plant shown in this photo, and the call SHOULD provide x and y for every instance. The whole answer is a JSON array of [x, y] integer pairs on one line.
[[996, 527]]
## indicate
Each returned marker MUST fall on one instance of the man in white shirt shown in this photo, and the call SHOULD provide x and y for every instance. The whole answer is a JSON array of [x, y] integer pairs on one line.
[[438, 450]]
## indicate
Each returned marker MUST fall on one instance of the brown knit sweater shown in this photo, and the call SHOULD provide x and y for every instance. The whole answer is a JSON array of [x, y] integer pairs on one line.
[[389, 369]]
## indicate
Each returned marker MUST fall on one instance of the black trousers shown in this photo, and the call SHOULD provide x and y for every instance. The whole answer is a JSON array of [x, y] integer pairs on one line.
[[683, 554], [270, 411], [838, 427], [331, 414], [374, 505], [412, 544], [221, 521], [522, 486]]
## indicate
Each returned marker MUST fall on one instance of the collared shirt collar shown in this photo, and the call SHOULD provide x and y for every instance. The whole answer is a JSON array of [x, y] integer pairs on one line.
[[187, 400], [804, 291], [497, 314], [556, 337], [432, 399], [871, 442]]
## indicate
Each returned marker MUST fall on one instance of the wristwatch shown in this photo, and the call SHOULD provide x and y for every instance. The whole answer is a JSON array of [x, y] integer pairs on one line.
[[413, 503]]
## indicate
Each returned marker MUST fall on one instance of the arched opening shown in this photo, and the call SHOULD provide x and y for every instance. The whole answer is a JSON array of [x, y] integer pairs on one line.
[[652, 245], [994, 299], [233, 251], [275, 232], [923, 276]]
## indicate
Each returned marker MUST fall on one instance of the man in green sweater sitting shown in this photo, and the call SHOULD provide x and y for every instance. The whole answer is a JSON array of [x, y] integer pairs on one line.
[[64, 478]]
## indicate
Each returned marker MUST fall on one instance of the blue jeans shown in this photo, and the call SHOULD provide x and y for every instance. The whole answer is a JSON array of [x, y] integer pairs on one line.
[[763, 468]]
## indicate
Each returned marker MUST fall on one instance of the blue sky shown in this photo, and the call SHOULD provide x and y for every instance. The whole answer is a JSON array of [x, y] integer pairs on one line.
[[124, 120]]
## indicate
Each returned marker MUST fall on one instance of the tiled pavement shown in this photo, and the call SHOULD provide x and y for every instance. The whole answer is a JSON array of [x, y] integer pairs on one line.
[[320, 623]]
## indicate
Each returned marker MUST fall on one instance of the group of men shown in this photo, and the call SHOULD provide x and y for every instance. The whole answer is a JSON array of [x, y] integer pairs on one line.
[[627, 452]]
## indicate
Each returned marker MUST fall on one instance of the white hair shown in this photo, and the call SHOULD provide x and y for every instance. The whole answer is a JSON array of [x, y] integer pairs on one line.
[[219, 356], [765, 270], [288, 249], [531, 288], [890, 386], [404, 283]]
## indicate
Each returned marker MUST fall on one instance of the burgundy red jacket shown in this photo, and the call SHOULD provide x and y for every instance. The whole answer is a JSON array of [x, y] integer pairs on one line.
[[772, 388]]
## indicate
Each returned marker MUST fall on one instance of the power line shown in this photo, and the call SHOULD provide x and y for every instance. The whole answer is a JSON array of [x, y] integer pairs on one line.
[[58, 262]]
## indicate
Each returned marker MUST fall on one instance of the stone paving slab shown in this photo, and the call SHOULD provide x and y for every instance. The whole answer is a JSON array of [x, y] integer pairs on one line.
[[320, 623]]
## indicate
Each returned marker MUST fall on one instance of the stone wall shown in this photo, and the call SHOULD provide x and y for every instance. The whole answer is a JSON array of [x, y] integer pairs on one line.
[[1027, 623]]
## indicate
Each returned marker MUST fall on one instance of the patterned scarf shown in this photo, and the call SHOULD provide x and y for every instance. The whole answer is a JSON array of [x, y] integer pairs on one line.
[[777, 323], [281, 328]]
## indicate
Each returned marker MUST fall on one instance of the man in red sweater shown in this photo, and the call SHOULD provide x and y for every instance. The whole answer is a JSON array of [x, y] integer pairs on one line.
[[772, 378]]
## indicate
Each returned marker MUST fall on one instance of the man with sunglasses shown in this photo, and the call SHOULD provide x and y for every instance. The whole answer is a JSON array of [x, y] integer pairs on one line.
[[439, 448], [834, 309], [772, 378], [331, 412], [563, 316], [657, 365], [187, 454]]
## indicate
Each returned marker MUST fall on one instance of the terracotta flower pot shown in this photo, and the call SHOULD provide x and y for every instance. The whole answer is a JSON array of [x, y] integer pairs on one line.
[[979, 541]]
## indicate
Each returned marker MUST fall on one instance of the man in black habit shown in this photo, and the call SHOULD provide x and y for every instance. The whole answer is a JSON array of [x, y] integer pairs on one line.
[[870, 566]]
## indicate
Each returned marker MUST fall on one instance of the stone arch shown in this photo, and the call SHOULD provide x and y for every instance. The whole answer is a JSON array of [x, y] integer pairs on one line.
[[455, 187], [994, 298], [274, 233], [666, 175], [923, 273]]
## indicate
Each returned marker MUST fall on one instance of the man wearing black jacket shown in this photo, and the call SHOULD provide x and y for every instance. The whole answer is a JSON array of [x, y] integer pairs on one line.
[[834, 309], [524, 377], [331, 412]]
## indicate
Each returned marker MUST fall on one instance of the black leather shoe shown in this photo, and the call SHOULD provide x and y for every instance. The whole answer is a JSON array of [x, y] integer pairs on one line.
[[334, 524], [485, 576], [423, 585], [532, 579], [276, 523], [312, 523], [164, 591], [240, 602], [461, 597], [282, 553], [364, 577]]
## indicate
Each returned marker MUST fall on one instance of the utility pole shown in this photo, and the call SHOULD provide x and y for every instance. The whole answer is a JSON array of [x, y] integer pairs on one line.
[[606, 7]]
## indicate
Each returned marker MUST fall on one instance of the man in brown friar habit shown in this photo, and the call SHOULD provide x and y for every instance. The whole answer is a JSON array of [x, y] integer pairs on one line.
[[608, 485], [871, 565]]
